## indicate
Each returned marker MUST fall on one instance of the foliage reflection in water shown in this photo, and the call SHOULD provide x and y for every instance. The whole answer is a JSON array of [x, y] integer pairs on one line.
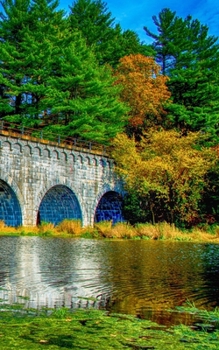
[[144, 278]]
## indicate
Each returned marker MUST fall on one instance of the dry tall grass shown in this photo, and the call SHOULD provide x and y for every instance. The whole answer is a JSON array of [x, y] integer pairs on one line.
[[161, 230], [123, 230], [120, 230], [105, 229], [6, 229], [46, 228], [73, 227]]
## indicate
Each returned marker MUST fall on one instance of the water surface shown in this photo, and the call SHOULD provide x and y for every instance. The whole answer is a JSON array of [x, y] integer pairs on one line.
[[143, 278]]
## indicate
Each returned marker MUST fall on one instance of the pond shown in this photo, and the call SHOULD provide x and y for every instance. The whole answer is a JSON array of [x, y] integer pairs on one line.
[[138, 277]]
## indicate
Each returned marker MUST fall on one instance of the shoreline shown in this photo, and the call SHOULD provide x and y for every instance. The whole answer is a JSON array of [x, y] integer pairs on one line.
[[105, 230]]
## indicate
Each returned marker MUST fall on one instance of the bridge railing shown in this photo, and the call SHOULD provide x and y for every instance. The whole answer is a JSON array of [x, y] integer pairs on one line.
[[45, 136]]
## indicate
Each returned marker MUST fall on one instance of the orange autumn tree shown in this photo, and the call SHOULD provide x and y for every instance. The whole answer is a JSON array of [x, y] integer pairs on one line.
[[144, 90]]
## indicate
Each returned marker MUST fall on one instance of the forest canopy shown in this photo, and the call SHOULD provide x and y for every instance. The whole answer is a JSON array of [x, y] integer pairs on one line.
[[79, 74]]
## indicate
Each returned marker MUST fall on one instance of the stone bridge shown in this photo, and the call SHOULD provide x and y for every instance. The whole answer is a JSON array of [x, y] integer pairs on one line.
[[44, 181]]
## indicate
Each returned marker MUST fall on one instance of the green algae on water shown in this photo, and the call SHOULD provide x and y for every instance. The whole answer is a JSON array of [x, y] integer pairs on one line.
[[95, 330]]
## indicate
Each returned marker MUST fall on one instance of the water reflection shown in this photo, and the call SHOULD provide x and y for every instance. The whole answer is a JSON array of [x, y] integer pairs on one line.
[[48, 271], [137, 277]]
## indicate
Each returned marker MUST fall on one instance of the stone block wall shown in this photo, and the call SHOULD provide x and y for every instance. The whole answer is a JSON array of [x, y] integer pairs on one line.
[[41, 181]]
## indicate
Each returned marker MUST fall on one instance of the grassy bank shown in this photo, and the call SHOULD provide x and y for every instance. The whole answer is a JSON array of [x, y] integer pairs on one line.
[[73, 228], [96, 330]]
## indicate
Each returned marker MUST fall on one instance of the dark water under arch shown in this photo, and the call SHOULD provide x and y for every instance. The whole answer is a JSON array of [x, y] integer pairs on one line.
[[109, 208], [59, 203], [10, 211]]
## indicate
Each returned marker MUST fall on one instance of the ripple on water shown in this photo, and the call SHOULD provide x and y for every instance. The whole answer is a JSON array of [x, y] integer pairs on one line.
[[125, 276]]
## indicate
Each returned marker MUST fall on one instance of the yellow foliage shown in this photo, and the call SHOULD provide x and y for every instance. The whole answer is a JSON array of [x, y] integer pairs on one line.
[[144, 88], [166, 163]]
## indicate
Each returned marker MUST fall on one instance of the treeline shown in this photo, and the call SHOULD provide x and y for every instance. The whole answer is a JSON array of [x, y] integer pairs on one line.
[[79, 74], [168, 155], [56, 69]]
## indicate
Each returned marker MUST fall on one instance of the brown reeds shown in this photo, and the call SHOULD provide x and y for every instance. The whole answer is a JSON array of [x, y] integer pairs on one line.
[[122, 230], [72, 227], [103, 228], [159, 231], [6, 229]]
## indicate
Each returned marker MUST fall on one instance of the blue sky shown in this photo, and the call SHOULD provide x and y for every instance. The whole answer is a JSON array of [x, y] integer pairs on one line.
[[135, 14]]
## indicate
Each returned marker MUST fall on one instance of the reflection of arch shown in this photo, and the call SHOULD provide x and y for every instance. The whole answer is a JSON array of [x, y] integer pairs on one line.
[[109, 208], [10, 210], [59, 203]]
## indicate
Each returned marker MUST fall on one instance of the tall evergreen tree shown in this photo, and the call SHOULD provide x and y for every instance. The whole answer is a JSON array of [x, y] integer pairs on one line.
[[51, 78], [83, 99], [107, 40], [190, 57], [27, 49], [13, 18], [170, 41]]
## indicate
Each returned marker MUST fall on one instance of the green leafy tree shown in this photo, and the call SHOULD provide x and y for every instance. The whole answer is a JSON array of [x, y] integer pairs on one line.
[[13, 18], [209, 205]]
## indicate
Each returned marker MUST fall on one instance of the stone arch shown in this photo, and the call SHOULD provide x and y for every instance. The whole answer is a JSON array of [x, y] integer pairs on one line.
[[109, 207], [55, 154], [17, 148], [88, 160], [57, 204], [81, 159], [95, 161], [103, 162], [10, 207], [37, 151], [46, 153], [7, 144], [110, 163], [73, 157], [64, 156], [27, 150]]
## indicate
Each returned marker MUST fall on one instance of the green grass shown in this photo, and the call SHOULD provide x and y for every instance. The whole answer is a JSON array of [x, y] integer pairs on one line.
[[95, 330]]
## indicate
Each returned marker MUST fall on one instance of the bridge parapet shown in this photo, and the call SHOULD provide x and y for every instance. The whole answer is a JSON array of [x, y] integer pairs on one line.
[[42, 180], [17, 131]]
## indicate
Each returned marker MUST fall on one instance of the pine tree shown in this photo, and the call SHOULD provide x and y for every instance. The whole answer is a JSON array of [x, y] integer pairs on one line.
[[107, 40], [14, 17], [29, 33], [83, 99], [170, 41], [51, 78], [190, 57]]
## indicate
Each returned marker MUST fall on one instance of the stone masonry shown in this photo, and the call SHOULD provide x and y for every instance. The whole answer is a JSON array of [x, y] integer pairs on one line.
[[43, 181]]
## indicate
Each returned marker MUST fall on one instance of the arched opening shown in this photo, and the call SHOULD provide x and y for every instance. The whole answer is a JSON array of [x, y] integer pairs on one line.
[[59, 203], [109, 208], [10, 210]]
